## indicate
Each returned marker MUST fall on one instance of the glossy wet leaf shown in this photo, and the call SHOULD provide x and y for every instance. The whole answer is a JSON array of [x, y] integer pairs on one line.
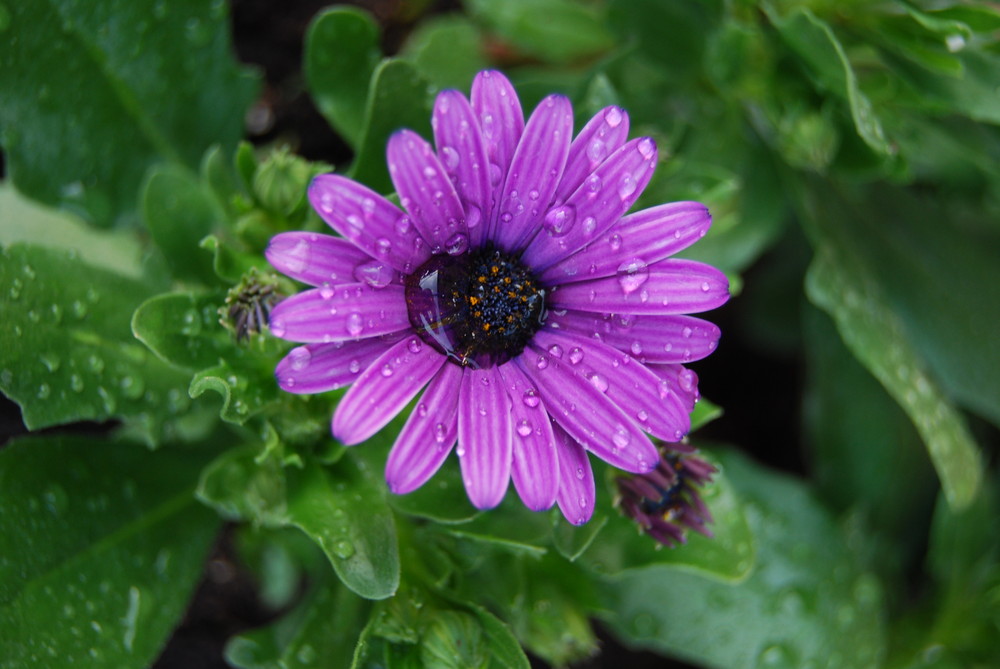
[[341, 52], [245, 383], [101, 545], [95, 93], [343, 509], [817, 45], [241, 485], [877, 338], [179, 212], [448, 50], [806, 595], [398, 97], [66, 349], [183, 329], [322, 630]]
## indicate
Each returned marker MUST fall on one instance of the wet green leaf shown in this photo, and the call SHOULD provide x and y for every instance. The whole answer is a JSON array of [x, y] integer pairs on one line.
[[806, 595], [341, 52], [66, 349], [183, 329], [343, 509], [101, 545], [95, 93], [241, 486], [448, 51], [399, 97], [245, 382], [557, 31], [179, 212]]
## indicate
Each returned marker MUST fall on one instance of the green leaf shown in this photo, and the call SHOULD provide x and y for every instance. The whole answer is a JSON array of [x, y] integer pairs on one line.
[[903, 294], [101, 545], [447, 50], [341, 52], [727, 556], [239, 486], [179, 212], [442, 499], [22, 220], [875, 335], [67, 351], [806, 595], [321, 631], [247, 388], [97, 92], [399, 97], [183, 329], [817, 45], [343, 509], [557, 31]]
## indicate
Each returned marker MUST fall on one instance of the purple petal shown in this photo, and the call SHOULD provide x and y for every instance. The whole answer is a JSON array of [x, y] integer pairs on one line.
[[637, 390], [428, 436], [324, 259], [372, 223], [500, 117], [649, 235], [535, 467], [671, 286], [595, 206], [425, 191], [650, 338], [382, 390], [462, 153], [587, 414], [601, 137], [534, 172], [683, 382], [317, 368], [484, 436], [577, 493], [340, 313]]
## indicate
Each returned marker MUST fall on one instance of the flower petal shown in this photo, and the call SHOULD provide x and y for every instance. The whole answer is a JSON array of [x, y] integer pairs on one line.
[[649, 338], [671, 286], [587, 414], [534, 172], [500, 117], [372, 223], [649, 235], [683, 382], [484, 436], [462, 153], [340, 313], [535, 467], [595, 206], [323, 259], [638, 391], [601, 137], [428, 436], [317, 368], [577, 493], [425, 191], [383, 389]]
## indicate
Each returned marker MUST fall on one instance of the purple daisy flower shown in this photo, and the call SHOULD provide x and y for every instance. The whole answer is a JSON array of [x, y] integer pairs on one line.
[[543, 321]]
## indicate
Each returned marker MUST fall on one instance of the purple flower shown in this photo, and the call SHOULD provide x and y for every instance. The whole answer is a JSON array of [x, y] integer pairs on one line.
[[543, 322], [665, 502]]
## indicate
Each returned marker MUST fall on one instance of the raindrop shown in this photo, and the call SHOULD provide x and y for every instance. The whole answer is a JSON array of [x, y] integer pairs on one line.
[[190, 323], [131, 387], [44, 391], [277, 327], [580, 473], [76, 383], [440, 433], [387, 370], [51, 361], [556, 351], [457, 244], [597, 151], [343, 549], [542, 362], [450, 158], [415, 345], [559, 220], [530, 398], [473, 215], [627, 187], [575, 355], [383, 246], [354, 367], [642, 415], [589, 225], [95, 364], [615, 241], [705, 287], [79, 308], [15, 289], [594, 184], [300, 358], [326, 291], [599, 382], [354, 325], [524, 428], [403, 224], [374, 273], [621, 437], [56, 313], [636, 348], [613, 116], [646, 147], [632, 274]]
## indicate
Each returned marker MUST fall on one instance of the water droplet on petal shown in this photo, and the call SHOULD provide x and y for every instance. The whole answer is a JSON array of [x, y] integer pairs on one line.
[[599, 382], [632, 274], [559, 220], [524, 428], [597, 151], [403, 224], [383, 246], [374, 273], [415, 345], [300, 358], [542, 362], [613, 116], [615, 241], [354, 366], [556, 351], [642, 415], [440, 432], [457, 244], [575, 355], [473, 215], [626, 187], [647, 148], [621, 437], [355, 325], [387, 370], [530, 398], [450, 158]]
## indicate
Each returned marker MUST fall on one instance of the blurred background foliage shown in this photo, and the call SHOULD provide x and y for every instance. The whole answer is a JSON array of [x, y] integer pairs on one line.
[[850, 155]]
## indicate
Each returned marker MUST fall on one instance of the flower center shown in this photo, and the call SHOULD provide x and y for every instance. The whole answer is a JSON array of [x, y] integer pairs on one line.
[[480, 308]]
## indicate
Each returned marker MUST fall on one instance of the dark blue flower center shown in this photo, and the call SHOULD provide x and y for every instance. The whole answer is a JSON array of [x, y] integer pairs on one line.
[[480, 308]]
